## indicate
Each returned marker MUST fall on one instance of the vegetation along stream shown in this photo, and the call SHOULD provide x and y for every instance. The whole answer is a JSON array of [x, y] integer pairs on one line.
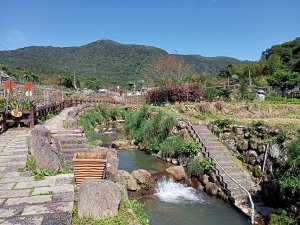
[[173, 203]]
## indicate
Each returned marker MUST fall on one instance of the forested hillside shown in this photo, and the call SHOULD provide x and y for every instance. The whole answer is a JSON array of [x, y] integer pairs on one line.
[[107, 61]]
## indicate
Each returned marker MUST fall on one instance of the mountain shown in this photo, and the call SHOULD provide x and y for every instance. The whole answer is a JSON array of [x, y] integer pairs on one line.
[[112, 62], [211, 65]]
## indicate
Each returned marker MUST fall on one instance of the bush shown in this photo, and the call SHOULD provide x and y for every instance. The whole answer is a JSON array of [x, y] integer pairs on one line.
[[172, 146], [223, 122], [204, 107], [289, 172], [219, 106], [197, 167], [281, 217], [173, 93], [282, 136], [257, 123], [211, 94], [147, 130]]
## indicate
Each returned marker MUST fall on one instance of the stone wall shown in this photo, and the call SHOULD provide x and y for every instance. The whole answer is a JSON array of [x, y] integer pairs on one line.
[[254, 145]]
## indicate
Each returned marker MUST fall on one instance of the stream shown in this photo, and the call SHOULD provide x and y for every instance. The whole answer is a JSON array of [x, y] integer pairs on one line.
[[174, 203]]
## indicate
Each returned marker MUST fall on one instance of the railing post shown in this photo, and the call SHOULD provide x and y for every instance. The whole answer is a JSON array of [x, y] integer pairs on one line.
[[31, 117]]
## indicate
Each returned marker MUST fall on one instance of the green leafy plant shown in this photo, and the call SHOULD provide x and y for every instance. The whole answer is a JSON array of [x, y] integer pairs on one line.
[[197, 167], [282, 136], [281, 217], [257, 123], [40, 174], [223, 122]]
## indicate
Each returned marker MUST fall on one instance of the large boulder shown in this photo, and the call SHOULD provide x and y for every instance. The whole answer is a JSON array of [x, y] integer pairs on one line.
[[183, 159], [71, 123], [185, 134], [144, 180], [251, 157], [177, 172], [45, 149], [141, 176], [98, 199], [211, 188], [34, 139], [126, 179], [274, 150]]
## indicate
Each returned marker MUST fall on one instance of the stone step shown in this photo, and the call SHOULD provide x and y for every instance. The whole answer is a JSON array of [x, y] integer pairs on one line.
[[72, 140], [74, 146]]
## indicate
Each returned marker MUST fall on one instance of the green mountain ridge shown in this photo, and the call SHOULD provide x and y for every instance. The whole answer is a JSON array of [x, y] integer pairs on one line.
[[110, 61]]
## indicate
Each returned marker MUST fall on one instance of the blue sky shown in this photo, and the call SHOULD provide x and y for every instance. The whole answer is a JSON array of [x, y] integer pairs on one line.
[[236, 28]]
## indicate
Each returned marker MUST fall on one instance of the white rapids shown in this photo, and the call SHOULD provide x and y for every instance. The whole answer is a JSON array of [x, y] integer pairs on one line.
[[169, 191]]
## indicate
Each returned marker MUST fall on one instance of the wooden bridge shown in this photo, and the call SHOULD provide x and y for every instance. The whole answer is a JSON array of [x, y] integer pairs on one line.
[[30, 117]]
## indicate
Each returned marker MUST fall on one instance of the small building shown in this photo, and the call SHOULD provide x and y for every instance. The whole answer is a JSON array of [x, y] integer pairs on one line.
[[4, 77]]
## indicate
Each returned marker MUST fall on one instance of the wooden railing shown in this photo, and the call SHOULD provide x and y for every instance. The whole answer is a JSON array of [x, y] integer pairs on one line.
[[31, 116]]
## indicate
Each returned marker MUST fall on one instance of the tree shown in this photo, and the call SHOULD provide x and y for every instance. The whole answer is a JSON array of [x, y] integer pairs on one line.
[[284, 80], [168, 70]]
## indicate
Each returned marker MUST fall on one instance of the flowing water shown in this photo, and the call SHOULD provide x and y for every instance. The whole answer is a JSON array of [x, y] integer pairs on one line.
[[177, 204], [174, 203]]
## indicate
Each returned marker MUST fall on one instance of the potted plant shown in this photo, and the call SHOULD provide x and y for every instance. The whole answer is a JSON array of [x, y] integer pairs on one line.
[[89, 165]]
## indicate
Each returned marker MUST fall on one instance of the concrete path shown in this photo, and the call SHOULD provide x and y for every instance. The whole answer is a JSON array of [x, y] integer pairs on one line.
[[23, 200]]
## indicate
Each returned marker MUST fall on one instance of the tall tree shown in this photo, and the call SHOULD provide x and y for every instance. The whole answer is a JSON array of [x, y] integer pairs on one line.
[[168, 70], [285, 80]]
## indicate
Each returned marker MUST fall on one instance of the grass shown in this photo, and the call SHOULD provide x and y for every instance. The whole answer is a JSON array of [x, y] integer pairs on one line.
[[125, 216], [40, 173]]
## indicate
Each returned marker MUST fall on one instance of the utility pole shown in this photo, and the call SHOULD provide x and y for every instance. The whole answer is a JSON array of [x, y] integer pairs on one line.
[[75, 81]]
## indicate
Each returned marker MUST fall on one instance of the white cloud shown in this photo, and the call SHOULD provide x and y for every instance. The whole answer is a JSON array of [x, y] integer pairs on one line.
[[15, 36]]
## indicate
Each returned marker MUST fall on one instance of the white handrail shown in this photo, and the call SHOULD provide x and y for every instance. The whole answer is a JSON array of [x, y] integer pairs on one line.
[[244, 189]]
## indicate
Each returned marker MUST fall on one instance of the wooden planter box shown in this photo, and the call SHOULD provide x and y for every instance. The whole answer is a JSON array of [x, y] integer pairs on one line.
[[88, 167]]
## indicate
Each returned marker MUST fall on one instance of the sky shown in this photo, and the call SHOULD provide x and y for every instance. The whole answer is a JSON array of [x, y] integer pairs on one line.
[[235, 28]]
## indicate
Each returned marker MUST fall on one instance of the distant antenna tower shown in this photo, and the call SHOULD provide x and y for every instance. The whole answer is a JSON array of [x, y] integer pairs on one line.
[[103, 36]]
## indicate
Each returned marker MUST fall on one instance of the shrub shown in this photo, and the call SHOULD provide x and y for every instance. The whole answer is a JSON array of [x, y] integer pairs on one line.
[[282, 136], [257, 123], [289, 172], [211, 94], [149, 131], [197, 167], [223, 122], [204, 107], [281, 217], [175, 92], [191, 148], [172, 146], [219, 106]]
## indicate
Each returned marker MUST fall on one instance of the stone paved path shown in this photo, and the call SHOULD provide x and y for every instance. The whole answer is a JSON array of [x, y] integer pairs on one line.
[[23, 200]]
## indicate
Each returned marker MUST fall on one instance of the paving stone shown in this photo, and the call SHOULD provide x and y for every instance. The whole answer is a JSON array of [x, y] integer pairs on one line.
[[68, 175], [14, 193], [22, 220], [63, 197], [64, 181], [17, 179], [57, 219], [2, 201], [11, 211], [40, 183], [20, 164], [6, 186], [35, 209], [15, 174], [54, 189], [29, 200], [2, 169]]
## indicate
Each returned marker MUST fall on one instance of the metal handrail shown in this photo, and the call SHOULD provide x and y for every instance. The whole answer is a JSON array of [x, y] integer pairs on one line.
[[216, 162]]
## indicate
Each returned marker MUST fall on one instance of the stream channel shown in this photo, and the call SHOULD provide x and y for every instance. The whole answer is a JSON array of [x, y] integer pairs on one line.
[[173, 203]]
